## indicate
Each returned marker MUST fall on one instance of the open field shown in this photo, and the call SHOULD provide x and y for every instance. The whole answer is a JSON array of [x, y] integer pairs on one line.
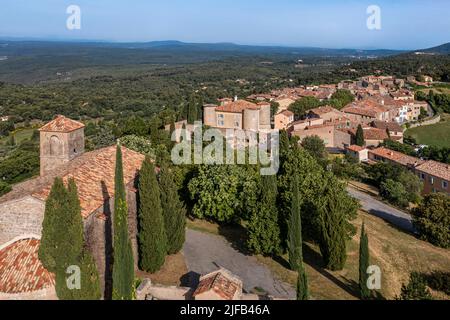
[[19, 136], [437, 135], [395, 252]]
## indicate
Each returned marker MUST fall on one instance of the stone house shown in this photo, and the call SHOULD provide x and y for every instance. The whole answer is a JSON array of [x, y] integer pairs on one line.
[[62, 141], [283, 119], [238, 114]]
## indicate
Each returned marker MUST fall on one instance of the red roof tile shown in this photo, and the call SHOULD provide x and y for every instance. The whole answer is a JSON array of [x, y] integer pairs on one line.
[[20, 268], [95, 177], [237, 106], [437, 169], [220, 282], [62, 124]]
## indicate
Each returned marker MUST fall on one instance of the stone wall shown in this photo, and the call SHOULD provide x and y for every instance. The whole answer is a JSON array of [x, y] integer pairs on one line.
[[44, 294], [98, 228], [19, 217], [428, 122]]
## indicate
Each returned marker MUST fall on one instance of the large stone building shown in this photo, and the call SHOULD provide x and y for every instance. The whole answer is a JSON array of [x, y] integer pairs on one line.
[[22, 210], [238, 114]]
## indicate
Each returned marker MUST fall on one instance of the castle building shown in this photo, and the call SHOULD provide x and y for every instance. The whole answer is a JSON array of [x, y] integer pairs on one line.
[[238, 114], [22, 209]]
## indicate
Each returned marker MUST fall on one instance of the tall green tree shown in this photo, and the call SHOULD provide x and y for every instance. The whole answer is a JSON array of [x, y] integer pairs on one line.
[[68, 246], [302, 284], [295, 228], [296, 242], [90, 282], [173, 210], [332, 224], [193, 112], [62, 234], [363, 264], [54, 206], [359, 139], [264, 232], [123, 270], [152, 235], [432, 219]]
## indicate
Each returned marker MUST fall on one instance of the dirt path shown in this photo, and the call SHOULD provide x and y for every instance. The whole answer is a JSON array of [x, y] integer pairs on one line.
[[205, 252]]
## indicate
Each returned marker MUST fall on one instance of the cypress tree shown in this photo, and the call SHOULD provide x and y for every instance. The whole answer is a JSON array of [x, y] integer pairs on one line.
[[332, 228], [192, 115], [363, 264], [173, 211], [73, 241], [123, 270], [360, 136], [90, 282], [263, 228], [295, 228], [152, 236], [302, 284], [55, 205], [295, 242]]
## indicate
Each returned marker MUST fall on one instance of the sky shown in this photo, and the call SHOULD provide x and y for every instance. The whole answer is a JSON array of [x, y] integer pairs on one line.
[[405, 24]]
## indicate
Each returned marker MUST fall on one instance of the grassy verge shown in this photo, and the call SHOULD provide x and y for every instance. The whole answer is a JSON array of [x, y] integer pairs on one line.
[[395, 252], [437, 135]]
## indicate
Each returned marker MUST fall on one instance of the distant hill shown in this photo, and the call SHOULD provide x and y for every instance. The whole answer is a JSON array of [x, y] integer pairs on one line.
[[442, 49], [8, 47]]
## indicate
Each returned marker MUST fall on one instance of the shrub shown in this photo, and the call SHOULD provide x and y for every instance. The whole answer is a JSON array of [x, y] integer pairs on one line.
[[432, 219], [416, 289]]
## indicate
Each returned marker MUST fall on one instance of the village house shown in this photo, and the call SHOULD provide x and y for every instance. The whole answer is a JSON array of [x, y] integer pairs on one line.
[[218, 285], [359, 153], [283, 119], [22, 209], [394, 129], [284, 102], [237, 114], [434, 175]]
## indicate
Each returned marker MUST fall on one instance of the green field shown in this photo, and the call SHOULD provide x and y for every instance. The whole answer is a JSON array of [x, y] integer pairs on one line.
[[435, 135], [19, 136]]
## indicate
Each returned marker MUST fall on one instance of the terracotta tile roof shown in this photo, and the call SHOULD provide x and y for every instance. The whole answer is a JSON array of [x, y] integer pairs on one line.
[[437, 169], [360, 111], [392, 126], [95, 177], [396, 156], [375, 134], [287, 113], [20, 268], [237, 106], [355, 148], [62, 124], [221, 282], [323, 110]]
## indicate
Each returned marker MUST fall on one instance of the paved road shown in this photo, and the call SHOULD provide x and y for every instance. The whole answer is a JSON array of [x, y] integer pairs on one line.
[[205, 252], [382, 210]]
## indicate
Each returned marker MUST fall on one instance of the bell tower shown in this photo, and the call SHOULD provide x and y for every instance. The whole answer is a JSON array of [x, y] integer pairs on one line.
[[61, 141]]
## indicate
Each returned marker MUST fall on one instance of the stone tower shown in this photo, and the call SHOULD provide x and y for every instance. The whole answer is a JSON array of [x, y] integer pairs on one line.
[[61, 140]]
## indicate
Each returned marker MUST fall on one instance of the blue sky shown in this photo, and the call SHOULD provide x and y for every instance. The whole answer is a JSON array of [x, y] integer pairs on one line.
[[405, 24]]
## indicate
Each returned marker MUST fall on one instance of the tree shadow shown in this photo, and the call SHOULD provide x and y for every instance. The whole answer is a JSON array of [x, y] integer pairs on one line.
[[314, 260], [190, 279], [237, 236], [108, 242]]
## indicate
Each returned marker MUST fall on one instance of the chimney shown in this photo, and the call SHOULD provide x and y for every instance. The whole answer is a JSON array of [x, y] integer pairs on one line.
[[235, 98]]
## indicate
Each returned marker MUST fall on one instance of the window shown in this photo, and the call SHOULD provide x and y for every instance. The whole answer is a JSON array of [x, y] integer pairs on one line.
[[444, 184], [220, 120], [237, 121], [431, 180], [422, 176]]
